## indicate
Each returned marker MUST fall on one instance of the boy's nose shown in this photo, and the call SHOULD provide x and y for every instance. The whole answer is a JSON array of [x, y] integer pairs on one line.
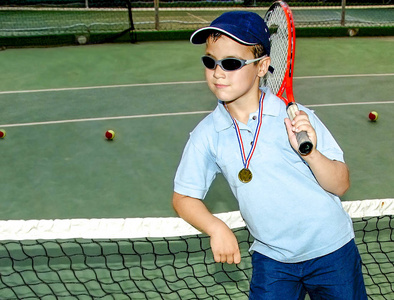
[[218, 72]]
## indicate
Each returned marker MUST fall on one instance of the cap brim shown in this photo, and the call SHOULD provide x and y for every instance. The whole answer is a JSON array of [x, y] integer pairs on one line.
[[200, 36]]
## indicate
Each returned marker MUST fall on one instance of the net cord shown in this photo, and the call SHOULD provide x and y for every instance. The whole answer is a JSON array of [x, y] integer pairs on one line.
[[119, 228]]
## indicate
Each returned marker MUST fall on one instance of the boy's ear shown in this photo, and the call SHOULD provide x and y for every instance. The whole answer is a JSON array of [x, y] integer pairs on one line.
[[263, 66]]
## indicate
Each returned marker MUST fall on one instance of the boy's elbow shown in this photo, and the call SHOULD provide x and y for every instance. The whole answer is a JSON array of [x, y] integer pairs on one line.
[[179, 203], [175, 202], [344, 187]]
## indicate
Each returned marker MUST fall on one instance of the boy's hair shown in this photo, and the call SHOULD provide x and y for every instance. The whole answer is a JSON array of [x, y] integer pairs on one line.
[[257, 50], [246, 28]]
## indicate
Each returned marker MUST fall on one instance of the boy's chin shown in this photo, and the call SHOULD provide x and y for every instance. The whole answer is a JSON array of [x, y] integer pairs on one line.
[[222, 96]]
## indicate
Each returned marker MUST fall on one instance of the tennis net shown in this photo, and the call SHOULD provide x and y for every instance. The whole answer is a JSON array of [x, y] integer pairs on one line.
[[159, 258], [75, 19], [88, 18]]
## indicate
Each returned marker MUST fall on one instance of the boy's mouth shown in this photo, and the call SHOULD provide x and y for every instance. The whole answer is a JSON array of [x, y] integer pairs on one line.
[[220, 86]]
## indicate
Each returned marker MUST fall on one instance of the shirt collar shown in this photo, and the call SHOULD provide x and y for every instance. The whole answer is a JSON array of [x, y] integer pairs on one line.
[[222, 119]]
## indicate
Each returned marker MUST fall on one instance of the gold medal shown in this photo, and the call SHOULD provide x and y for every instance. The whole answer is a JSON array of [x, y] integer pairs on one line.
[[245, 175]]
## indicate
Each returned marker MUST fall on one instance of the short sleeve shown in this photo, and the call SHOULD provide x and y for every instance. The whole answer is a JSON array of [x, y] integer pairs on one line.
[[197, 168]]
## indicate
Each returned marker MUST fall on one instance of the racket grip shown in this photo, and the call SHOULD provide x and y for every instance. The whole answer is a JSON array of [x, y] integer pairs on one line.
[[305, 145]]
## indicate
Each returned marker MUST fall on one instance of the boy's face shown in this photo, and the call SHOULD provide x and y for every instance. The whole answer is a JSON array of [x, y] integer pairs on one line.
[[241, 84]]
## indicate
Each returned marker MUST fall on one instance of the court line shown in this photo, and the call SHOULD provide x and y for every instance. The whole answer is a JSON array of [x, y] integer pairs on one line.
[[343, 76], [197, 17], [175, 83], [106, 118], [349, 103], [169, 115], [101, 87]]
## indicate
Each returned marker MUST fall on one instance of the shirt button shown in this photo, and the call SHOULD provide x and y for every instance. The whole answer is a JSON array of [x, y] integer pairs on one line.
[[254, 117]]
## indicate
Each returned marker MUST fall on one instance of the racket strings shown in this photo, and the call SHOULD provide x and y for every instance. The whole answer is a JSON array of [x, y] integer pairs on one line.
[[277, 23]]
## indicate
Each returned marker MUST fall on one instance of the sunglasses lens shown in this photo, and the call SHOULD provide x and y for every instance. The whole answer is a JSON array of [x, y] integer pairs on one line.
[[209, 62], [228, 64], [231, 64]]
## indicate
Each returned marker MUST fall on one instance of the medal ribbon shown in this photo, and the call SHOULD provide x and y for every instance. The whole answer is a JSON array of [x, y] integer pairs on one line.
[[246, 160]]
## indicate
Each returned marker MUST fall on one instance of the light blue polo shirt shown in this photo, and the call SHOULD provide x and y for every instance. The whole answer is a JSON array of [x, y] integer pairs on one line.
[[287, 212]]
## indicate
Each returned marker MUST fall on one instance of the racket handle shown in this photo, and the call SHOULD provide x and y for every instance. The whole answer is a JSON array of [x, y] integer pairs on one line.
[[305, 145]]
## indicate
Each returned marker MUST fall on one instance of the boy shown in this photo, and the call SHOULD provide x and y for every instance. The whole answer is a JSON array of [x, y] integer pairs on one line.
[[303, 237]]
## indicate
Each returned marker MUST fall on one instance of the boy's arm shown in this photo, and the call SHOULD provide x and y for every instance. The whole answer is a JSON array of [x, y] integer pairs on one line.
[[332, 175], [224, 244]]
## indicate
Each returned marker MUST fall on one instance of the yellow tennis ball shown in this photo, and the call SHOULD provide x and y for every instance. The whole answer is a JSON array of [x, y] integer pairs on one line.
[[110, 134], [373, 116], [2, 133]]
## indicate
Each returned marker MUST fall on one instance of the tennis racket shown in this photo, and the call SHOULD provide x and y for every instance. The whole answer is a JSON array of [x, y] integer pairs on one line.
[[280, 22]]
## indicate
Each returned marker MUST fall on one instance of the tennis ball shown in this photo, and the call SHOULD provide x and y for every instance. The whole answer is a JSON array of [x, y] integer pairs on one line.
[[353, 31], [82, 39], [373, 116], [2, 133], [110, 134]]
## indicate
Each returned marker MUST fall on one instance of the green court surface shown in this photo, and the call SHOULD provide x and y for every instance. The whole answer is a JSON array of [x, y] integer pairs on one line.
[[57, 103]]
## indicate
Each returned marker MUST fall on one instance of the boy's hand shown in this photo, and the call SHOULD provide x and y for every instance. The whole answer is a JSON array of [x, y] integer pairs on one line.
[[300, 123], [224, 245]]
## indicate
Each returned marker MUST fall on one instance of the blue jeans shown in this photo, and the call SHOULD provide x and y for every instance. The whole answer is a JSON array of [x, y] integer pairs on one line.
[[334, 276]]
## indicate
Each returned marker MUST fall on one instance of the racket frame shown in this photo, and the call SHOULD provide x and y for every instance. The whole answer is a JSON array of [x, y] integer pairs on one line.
[[305, 146]]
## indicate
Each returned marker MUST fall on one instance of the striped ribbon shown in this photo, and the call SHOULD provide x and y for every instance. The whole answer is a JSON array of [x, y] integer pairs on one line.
[[246, 160]]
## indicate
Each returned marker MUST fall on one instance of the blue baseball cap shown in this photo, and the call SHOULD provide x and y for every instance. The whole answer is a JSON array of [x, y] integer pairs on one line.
[[247, 28]]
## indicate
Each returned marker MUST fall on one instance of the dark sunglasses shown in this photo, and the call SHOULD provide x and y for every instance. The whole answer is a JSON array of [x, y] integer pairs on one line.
[[227, 64]]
